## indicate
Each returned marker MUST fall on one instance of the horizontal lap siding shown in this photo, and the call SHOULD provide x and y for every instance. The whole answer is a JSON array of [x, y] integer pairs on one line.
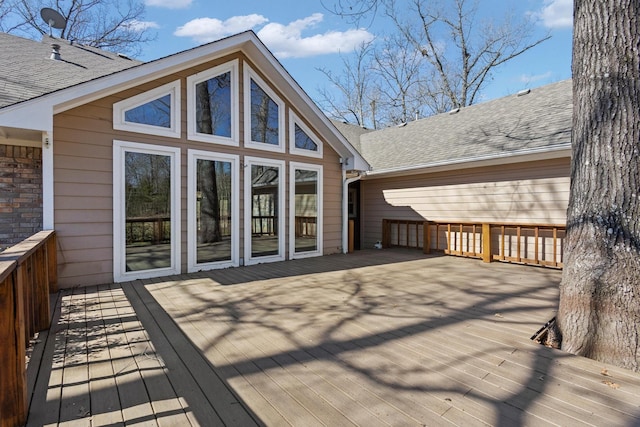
[[83, 190], [533, 192], [332, 218]]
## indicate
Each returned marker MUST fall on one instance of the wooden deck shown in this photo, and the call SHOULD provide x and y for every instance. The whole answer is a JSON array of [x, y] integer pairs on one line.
[[389, 337]]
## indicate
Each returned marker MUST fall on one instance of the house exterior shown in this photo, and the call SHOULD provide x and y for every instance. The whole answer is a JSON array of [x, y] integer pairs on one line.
[[215, 157], [502, 161], [209, 158]]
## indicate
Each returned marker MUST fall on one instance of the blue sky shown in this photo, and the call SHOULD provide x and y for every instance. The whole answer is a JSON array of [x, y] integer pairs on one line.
[[304, 36]]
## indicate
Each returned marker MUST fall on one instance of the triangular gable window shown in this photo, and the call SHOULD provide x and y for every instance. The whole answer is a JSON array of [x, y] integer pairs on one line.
[[302, 140], [153, 112]]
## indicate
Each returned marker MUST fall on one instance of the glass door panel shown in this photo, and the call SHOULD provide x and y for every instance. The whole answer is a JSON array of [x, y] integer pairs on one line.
[[264, 210], [306, 210], [213, 211], [265, 181], [147, 198]]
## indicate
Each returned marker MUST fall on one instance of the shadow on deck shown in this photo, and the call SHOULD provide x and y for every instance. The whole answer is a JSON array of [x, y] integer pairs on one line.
[[387, 337]]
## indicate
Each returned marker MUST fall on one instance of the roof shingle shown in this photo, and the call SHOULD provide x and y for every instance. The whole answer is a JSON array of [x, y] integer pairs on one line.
[[27, 70], [536, 121]]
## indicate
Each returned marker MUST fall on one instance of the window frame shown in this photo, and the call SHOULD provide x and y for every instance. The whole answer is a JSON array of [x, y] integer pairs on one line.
[[121, 107], [250, 74], [248, 208], [192, 81], [193, 156], [293, 166], [293, 121], [120, 148]]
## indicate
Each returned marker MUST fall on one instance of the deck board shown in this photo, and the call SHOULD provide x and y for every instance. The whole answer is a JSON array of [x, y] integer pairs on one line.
[[375, 338]]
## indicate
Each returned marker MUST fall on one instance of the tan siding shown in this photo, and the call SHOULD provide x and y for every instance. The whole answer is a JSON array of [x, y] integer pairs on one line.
[[332, 215], [534, 192], [83, 170]]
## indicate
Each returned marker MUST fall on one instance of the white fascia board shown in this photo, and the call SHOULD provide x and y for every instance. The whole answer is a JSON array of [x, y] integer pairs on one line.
[[560, 151], [34, 116], [143, 73], [39, 111]]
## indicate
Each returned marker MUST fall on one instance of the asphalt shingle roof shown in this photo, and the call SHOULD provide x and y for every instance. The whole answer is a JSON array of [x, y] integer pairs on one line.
[[538, 120], [27, 70]]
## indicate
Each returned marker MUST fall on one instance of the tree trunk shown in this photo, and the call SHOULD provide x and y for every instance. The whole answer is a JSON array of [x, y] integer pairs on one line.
[[210, 207], [599, 312]]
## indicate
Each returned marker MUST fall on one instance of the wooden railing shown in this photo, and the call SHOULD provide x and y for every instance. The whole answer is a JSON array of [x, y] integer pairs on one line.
[[148, 229], [534, 244], [28, 273], [306, 226]]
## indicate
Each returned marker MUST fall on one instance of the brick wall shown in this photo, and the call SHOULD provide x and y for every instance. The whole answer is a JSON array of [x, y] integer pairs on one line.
[[20, 193]]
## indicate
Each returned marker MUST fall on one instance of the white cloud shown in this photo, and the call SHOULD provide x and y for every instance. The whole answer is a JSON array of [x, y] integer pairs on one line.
[[286, 41], [204, 30], [136, 25], [532, 78], [169, 4], [556, 14]]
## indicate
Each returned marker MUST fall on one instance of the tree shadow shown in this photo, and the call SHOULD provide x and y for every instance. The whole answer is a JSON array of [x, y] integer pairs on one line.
[[394, 336], [371, 327]]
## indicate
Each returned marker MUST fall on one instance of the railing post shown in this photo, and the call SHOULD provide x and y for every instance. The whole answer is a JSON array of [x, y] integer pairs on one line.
[[52, 263], [385, 233], [42, 309], [486, 242], [426, 238], [351, 239]]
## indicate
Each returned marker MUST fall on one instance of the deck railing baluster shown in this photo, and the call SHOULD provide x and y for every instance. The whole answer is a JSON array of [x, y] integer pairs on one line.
[[462, 240]]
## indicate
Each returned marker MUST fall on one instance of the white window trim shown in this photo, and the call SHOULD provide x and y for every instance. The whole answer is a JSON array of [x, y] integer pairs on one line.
[[293, 121], [248, 205], [292, 210], [192, 81], [192, 264], [249, 74], [119, 109], [119, 238]]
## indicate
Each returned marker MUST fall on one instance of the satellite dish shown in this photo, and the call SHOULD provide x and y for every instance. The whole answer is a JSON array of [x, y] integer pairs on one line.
[[53, 19]]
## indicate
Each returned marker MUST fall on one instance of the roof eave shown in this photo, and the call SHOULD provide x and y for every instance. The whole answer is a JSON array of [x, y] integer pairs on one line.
[[546, 153]]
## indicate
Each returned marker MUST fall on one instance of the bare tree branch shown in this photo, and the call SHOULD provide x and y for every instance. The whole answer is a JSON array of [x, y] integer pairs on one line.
[[459, 54], [115, 25]]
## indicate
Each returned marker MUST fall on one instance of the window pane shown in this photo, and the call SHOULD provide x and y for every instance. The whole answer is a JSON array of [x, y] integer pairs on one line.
[[303, 141], [213, 106], [306, 210], [265, 182], [264, 116], [213, 211], [154, 113], [147, 211]]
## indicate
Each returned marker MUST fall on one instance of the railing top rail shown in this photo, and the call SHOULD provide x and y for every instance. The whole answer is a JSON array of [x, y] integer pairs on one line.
[[6, 268], [23, 250], [469, 223], [499, 224]]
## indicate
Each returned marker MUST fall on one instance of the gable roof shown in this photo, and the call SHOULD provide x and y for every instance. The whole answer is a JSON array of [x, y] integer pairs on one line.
[[532, 123], [27, 70], [40, 104]]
